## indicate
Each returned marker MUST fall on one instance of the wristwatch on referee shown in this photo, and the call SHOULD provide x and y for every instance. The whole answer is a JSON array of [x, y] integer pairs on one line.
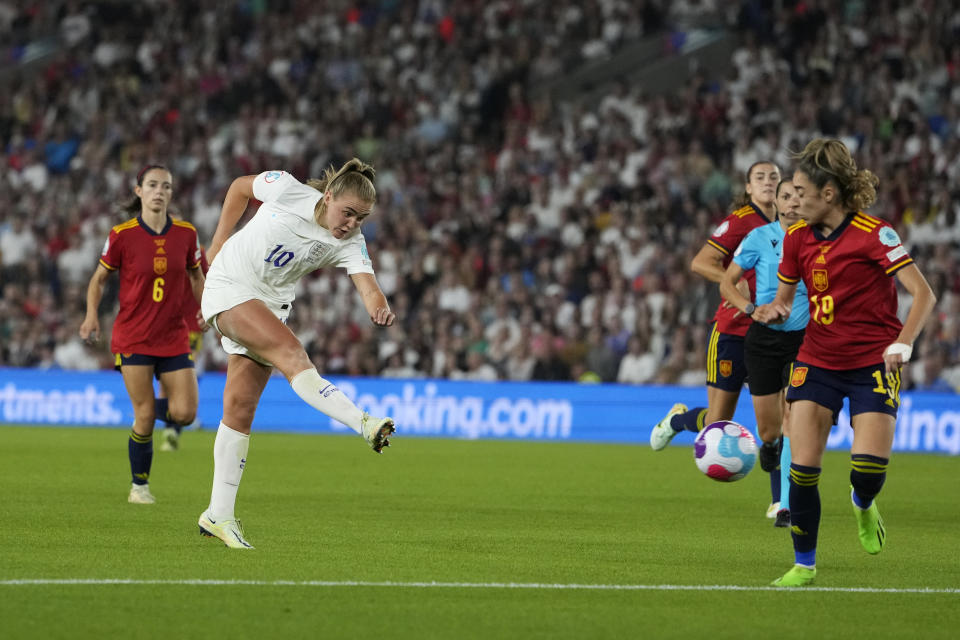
[[749, 309]]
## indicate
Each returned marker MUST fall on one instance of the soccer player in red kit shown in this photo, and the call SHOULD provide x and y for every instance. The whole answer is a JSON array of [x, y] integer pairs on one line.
[[158, 259], [726, 371], [854, 344]]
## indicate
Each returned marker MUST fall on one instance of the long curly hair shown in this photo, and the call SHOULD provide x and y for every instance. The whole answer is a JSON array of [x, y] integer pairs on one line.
[[828, 160]]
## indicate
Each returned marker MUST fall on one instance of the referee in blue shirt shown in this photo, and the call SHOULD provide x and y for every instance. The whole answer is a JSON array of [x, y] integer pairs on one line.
[[769, 350]]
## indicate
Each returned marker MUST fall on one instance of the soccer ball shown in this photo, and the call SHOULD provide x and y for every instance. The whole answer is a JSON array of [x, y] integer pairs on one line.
[[725, 451]]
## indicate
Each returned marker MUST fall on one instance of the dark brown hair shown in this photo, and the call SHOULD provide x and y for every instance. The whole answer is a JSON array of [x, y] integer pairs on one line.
[[133, 206], [783, 181], [744, 198]]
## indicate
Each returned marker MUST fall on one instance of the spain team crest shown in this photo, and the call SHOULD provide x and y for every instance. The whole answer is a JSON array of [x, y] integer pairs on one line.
[[159, 265], [799, 377], [726, 368], [820, 282]]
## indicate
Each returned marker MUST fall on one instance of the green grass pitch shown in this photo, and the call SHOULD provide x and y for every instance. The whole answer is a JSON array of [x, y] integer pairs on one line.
[[488, 521]]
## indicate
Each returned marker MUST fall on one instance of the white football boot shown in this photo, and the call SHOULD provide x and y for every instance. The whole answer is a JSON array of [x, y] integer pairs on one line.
[[140, 494], [229, 531], [773, 509], [171, 440], [663, 433], [376, 430]]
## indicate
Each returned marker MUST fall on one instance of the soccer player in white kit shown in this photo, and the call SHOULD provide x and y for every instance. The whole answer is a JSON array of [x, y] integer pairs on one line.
[[248, 295]]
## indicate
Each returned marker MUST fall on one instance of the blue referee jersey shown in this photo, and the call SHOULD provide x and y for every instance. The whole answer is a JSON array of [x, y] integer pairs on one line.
[[761, 251]]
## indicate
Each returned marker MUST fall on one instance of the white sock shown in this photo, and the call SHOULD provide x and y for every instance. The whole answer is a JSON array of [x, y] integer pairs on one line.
[[323, 396], [229, 458]]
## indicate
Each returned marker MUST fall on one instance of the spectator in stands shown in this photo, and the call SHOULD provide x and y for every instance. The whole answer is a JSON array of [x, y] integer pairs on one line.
[[478, 368], [639, 365], [18, 244], [933, 366]]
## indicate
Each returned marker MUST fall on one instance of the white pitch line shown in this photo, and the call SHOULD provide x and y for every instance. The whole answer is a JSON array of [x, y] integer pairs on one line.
[[464, 585]]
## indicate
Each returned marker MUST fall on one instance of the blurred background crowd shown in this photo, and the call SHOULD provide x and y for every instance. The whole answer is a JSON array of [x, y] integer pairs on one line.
[[518, 236]]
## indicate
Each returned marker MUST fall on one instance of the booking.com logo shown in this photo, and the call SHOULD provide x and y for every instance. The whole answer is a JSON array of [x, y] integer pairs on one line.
[[472, 417], [87, 406]]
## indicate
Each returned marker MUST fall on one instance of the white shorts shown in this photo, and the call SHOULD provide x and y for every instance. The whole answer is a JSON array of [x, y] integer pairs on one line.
[[218, 299]]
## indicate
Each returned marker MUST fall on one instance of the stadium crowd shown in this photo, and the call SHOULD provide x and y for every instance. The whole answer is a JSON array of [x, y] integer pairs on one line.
[[516, 238]]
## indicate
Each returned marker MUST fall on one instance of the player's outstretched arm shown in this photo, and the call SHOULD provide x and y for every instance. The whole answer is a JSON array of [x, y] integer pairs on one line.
[[234, 204], [90, 328], [923, 302], [373, 299]]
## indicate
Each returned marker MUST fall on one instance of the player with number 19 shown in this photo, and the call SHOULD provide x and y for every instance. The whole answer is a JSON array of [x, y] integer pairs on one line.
[[854, 344]]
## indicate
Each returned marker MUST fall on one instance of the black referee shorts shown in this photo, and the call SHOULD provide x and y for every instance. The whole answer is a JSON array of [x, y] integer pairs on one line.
[[768, 355]]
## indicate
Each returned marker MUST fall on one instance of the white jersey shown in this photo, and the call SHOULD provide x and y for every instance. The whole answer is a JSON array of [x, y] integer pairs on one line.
[[278, 246]]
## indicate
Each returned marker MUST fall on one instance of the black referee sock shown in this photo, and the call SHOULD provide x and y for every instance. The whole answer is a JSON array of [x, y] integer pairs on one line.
[[775, 485]]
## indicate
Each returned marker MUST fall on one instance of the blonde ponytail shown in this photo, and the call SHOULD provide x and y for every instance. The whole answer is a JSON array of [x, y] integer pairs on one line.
[[355, 177]]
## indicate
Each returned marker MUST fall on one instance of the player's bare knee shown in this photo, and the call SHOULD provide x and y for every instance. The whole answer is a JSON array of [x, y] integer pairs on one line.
[[768, 432], [143, 422], [291, 360], [240, 407], [182, 415], [145, 411]]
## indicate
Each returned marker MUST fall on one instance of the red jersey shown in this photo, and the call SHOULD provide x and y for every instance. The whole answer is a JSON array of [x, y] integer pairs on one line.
[[853, 301], [726, 238], [153, 282]]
